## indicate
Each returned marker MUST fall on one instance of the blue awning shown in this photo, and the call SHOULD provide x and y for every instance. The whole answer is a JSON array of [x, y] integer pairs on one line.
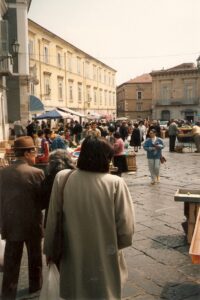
[[36, 104]]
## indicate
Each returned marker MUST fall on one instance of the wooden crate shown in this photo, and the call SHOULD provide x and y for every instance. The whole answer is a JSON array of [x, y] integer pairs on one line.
[[195, 243], [131, 162]]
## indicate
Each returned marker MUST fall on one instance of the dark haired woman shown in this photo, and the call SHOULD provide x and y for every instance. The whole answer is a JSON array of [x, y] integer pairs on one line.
[[98, 222], [154, 145], [135, 138]]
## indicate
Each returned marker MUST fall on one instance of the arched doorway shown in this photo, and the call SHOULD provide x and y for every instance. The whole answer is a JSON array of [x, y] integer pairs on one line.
[[165, 115], [189, 115]]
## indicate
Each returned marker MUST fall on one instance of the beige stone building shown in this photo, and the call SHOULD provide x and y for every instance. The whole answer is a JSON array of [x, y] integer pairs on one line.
[[176, 92], [64, 76], [134, 98]]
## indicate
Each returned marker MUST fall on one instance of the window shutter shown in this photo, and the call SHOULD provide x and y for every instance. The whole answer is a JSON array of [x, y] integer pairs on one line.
[[4, 37]]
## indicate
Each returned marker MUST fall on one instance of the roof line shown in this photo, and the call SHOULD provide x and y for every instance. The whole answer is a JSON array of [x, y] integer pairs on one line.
[[78, 49]]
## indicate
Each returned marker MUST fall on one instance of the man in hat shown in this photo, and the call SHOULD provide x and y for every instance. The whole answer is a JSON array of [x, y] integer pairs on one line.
[[21, 217]]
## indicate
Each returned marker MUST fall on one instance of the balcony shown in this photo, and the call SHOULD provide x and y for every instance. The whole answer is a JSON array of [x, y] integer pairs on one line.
[[177, 102], [6, 66]]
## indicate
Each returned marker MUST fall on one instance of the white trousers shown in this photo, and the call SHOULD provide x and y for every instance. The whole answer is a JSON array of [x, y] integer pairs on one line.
[[154, 168]]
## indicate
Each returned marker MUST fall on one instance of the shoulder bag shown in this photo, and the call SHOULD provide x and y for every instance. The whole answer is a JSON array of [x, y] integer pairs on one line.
[[58, 233]]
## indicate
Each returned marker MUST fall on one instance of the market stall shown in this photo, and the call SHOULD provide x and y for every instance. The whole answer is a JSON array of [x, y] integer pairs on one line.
[[185, 139]]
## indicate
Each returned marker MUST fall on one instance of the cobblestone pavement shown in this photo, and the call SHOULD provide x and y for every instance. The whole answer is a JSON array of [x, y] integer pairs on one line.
[[158, 262]]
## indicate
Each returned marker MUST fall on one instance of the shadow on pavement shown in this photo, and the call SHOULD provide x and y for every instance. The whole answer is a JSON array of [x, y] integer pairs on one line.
[[175, 291]]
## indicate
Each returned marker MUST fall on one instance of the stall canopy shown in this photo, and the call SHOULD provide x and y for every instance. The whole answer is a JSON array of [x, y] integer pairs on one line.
[[73, 112], [122, 119], [94, 116], [35, 104], [54, 114]]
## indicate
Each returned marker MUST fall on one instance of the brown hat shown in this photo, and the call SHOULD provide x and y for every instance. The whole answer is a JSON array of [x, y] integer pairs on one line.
[[24, 142]]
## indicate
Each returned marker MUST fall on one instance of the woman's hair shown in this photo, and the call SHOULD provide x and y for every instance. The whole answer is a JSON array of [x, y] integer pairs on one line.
[[152, 130], [117, 135], [59, 160], [96, 154]]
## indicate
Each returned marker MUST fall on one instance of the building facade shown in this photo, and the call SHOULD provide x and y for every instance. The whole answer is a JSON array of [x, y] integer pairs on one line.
[[134, 98], [176, 93], [61, 75], [5, 70], [14, 64]]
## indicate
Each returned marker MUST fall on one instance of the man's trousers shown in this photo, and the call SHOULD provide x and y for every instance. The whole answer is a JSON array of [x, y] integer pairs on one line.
[[12, 261]]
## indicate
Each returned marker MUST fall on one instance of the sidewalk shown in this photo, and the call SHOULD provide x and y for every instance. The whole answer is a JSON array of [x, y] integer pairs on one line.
[[158, 261]]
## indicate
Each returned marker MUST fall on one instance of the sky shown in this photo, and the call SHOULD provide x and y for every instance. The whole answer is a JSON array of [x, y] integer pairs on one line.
[[131, 36]]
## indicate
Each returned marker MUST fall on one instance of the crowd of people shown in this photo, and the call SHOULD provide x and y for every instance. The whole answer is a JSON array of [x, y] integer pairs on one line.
[[98, 213], [98, 220]]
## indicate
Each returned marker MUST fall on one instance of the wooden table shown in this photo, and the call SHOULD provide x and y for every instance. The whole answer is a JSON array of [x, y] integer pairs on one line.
[[191, 199]]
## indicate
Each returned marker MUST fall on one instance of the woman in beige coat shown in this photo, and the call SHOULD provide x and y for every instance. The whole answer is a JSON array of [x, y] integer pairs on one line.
[[98, 223]]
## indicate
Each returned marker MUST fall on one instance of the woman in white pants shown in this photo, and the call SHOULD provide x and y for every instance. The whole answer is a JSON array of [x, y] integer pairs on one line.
[[154, 146]]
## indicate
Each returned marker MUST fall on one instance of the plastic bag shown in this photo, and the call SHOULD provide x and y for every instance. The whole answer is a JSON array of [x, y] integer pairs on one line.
[[2, 250], [51, 285]]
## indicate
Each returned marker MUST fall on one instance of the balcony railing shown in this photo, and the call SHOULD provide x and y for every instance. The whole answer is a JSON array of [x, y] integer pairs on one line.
[[179, 101], [6, 66]]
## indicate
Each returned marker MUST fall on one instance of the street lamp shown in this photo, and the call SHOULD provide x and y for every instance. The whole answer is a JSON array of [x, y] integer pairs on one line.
[[15, 47]]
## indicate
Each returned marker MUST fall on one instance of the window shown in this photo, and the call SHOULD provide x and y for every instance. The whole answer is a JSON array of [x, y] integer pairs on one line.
[[46, 54], [188, 91], [31, 48], [88, 94], [70, 83], [59, 59], [95, 95], [47, 85], [126, 106], [94, 72], [105, 78], [138, 107], [100, 75], [32, 88], [109, 98], [60, 89], [105, 98], [101, 97], [69, 61], [79, 92], [78, 65], [139, 95], [113, 80], [114, 99], [87, 69], [109, 81], [166, 90]]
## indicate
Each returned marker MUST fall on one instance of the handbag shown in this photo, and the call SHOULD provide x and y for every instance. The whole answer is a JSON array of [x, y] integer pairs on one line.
[[162, 159], [58, 233]]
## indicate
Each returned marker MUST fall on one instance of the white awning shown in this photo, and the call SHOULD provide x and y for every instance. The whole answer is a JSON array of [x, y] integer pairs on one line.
[[73, 112]]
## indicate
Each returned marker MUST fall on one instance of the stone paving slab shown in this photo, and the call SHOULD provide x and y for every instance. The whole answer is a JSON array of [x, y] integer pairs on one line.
[[158, 261]]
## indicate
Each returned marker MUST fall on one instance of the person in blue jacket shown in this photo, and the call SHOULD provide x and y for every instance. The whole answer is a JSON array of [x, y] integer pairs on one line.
[[154, 145]]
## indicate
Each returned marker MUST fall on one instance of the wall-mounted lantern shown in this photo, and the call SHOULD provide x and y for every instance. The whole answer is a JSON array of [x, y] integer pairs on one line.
[[15, 47]]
